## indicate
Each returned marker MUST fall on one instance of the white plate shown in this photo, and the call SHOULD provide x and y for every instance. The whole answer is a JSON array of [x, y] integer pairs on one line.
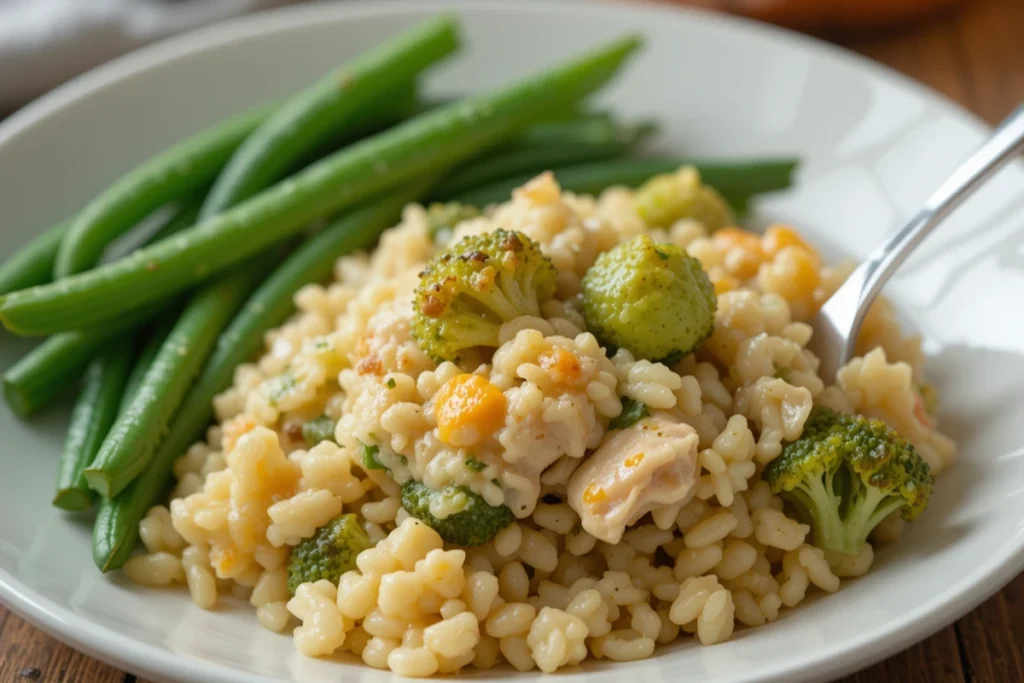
[[874, 145]]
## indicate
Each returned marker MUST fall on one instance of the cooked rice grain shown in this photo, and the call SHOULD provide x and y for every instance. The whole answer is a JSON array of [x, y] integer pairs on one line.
[[544, 593]]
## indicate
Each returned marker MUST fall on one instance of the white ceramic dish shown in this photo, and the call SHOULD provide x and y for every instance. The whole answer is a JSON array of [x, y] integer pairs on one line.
[[874, 145]]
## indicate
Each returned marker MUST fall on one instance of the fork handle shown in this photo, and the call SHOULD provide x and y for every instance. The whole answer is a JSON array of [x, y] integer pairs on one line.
[[1004, 144]]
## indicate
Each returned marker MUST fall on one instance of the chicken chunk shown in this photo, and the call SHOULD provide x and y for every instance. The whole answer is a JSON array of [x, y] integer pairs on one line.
[[567, 426], [651, 464]]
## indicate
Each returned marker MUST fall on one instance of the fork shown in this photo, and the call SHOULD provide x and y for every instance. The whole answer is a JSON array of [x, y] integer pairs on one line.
[[838, 321]]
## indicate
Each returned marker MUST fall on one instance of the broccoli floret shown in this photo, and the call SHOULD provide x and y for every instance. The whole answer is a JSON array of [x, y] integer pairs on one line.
[[845, 474], [329, 553], [474, 465], [632, 412], [467, 291], [474, 522], [665, 199], [318, 429], [442, 219], [653, 299]]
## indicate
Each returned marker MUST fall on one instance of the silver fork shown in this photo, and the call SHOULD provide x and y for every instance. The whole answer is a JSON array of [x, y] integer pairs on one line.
[[837, 323]]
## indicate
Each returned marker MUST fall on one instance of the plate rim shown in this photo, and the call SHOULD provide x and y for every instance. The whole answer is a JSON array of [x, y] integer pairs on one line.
[[161, 664]]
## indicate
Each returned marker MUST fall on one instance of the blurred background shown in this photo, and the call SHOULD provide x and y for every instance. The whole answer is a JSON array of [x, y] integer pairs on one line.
[[45, 42]]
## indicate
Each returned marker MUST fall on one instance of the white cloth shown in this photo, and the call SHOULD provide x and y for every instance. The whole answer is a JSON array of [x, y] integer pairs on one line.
[[45, 42]]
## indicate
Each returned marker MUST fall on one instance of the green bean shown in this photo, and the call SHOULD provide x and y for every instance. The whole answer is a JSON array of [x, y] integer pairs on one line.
[[181, 169], [132, 439], [744, 179], [339, 102], [47, 370], [117, 523], [574, 111], [739, 201], [535, 157], [332, 104], [416, 148], [94, 412], [395, 106], [32, 264], [589, 128], [164, 369], [53, 366], [155, 337], [567, 125], [569, 112], [184, 215], [738, 181]]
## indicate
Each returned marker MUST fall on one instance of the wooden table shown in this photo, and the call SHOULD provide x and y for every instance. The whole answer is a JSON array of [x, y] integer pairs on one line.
[[974, 55]]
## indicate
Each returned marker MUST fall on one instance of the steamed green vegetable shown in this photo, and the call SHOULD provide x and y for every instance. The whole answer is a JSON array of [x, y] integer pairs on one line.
[[180, 170], [736, 181], [32, 264], [303, 123], [422, 146], [583, 128], [845, 474], [94, 412], [159, 330], [329, 553], [53, 366], [473, 521], [116, 530], [667, 198], [467, 291], [130, 444], [109, 380], [151, 347], [298, 127], [653, 299], [334, 104], [533, 157]]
